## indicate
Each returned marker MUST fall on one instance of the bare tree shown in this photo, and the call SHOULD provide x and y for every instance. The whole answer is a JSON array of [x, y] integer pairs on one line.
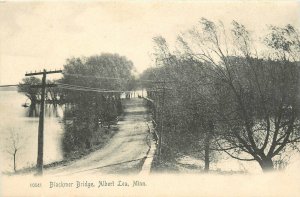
[[15, 143]]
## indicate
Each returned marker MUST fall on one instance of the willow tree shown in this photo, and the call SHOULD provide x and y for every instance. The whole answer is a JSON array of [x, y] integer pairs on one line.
[[187, 112], [32, 93], [83, 86], [257, 99]]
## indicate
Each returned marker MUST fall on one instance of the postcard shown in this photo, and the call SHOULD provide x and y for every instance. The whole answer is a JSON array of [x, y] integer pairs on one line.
[[150, 98]]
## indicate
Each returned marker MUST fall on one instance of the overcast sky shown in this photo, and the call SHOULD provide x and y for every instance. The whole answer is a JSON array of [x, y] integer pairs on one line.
[[34, 36]]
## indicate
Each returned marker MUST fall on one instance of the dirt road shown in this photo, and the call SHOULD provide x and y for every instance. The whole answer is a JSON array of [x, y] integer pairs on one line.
[[123, 154]]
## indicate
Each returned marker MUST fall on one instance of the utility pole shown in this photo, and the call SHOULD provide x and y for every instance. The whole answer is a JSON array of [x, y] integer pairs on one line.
[[40, 155], [161, 122]]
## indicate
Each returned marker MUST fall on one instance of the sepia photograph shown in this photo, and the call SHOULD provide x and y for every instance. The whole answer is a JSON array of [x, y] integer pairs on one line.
[[150, 98]]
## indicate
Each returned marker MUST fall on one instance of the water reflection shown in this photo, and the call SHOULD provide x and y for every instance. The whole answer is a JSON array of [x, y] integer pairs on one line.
[[32, 112]]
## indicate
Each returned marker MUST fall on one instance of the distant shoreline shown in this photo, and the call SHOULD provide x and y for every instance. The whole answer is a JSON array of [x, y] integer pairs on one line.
[[9, 89]]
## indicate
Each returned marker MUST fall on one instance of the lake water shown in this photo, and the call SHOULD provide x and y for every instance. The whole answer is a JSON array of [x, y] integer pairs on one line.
[[14, 117]]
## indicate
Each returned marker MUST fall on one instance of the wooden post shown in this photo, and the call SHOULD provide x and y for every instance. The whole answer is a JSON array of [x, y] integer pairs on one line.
[[40, 155], [161, 123]]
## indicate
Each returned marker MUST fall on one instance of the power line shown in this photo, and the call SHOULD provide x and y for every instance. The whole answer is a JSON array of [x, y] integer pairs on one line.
[[113, 78], [88, 89], [92, 90], [92, 76], [84, 76], [76, 86]]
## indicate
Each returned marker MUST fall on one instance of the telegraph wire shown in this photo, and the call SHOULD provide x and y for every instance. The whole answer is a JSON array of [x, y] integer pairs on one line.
[[92, 76], [92, 90], [112, 78], [87, 89], [76, 86]]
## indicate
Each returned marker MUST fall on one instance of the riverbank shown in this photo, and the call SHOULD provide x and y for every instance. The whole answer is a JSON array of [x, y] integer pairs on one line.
[[72, 156], [124, 152]]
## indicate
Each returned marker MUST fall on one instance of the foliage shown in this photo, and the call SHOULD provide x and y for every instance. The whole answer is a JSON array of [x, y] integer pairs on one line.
[[88, 111], [32, 93], [251, 102], [187, 109]]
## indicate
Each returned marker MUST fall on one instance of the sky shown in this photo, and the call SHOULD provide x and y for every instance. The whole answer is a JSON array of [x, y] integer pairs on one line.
[[42, 35]]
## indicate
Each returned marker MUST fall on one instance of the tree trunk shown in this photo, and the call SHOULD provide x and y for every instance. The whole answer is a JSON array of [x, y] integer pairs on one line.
[[266, 165], [15, 167], [207, 146], [33, 100], [206, 154]]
